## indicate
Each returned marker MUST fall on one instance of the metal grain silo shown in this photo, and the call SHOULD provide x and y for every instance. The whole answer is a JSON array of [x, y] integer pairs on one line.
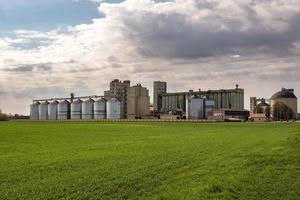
[[113, 109], [43, 110], [76, 109], [195, 108], [100, 109], [34, 111], [209, 107], [52, 110], [88, 109], [63, 110]]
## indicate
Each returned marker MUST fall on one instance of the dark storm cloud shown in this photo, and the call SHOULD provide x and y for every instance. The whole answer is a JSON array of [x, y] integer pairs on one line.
[[173, 35]]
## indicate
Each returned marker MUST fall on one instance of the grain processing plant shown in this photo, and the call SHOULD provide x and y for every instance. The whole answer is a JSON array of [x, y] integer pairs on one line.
[[119, 102], [123, 101], [224, 98]]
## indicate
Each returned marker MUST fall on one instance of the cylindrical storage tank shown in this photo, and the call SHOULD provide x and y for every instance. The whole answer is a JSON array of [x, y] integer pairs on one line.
[[100, 109], [52, 110], [76, 109], [43, 111], [113, 109], [63, 110], [209, 108], [88, 109], [34, 111], [195, 108]]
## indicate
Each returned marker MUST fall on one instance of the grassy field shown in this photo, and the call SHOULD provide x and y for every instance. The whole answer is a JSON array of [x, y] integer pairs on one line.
[[92, 160]]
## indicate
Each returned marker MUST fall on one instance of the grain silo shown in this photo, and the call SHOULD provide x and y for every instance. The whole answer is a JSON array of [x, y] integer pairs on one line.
[[194, 107], [63, 110], [52, 110], [43, 110], [76, 109], [88, 109], [114, 109], [209, 108], [100, 109], [34, 111]]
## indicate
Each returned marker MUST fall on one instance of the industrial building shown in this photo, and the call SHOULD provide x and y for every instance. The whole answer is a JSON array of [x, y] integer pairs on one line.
[[199, 108], [119, 102], [85, 108], [224, 99], [231, 115], [123, 101], [119, 90], [284, 105], [260, 110], [135, 100], [159, 88], [138, 102], [259, 105]]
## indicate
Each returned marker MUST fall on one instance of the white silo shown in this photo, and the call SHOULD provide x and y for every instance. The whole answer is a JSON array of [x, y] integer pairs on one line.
[[88, 109], [100, 109], [63, 110], [113, 109], [34, 111], [43, 110], [76, 109], [52, 110], [194, 108]]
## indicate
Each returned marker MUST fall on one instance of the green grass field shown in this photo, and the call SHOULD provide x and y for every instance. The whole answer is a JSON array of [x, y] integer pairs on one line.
[[97, 160]]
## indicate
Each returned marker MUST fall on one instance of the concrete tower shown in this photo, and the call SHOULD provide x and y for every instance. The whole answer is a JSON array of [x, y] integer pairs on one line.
[[159, 88]]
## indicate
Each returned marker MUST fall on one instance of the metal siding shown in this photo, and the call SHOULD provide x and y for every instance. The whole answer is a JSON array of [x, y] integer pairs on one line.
[[88, 109]]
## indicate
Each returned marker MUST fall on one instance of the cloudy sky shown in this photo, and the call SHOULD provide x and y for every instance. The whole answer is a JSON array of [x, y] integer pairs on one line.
[[51, 48]]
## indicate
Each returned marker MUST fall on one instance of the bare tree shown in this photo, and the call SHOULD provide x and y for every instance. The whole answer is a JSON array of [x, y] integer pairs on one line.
[[282, 112]]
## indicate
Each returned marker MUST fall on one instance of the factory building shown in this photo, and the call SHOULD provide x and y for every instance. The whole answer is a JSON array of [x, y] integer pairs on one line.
[[231, 115], [259, 106], [284, 105], [119, 90], [223, 99], [159, 88], [138, 102], [260, 110], [199, 108], [194, 108]]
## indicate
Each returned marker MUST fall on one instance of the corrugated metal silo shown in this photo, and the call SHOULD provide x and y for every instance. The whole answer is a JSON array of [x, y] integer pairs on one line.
[[63, 110], [195, 108], [34, 111], [113, 109], [209, 108], [76, 109], [100, 109], [52, 110], [88, 109], [43, 110]]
